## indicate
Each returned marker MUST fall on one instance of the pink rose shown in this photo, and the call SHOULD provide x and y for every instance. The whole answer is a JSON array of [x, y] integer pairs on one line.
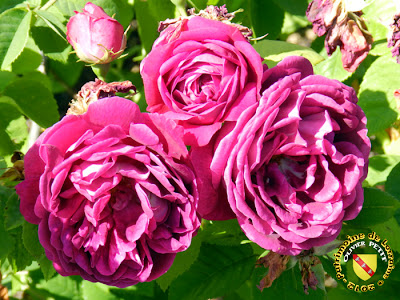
[[292, 165], [112, 192], [201, 72], [96, 37]]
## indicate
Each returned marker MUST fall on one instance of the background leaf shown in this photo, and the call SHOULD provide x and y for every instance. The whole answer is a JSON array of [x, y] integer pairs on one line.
[[216, 271], [380, 167], [275, 51], [376, 94], [35, 100], [14, 28], [267, 18], [182, 263], [332, 67], [378, 207]]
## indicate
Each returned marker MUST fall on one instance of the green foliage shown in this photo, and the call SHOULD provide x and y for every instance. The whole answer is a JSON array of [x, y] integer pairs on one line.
[[274, 51], [182, 263], [378, 207], [268, 18], [332, 67], [35, 100], [230, 266], [379, 168], [14, 26], [376, 94]]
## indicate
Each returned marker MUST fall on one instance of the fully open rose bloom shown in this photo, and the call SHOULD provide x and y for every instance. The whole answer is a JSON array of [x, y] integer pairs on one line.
[[292, 165], [96, 37], [201, 72], [112, 193]]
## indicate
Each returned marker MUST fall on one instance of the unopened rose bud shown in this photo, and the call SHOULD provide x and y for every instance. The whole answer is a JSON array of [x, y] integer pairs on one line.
[[96, 37]]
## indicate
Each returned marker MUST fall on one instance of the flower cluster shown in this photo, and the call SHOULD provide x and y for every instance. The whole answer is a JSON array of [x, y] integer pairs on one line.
[[117, 194], [282, 150]]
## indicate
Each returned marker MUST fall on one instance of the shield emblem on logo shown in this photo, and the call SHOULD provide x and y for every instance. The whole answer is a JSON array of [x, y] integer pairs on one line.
[[364, 265]]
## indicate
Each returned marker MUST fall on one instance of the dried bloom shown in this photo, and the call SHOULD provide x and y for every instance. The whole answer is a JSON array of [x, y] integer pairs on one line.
[[276, 264], [213, 13], [341, 21], [95, 90], [394, 37]]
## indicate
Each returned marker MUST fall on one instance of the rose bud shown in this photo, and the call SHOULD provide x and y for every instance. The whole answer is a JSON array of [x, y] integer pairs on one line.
[[96, 37], [292, 166], [113, 193]]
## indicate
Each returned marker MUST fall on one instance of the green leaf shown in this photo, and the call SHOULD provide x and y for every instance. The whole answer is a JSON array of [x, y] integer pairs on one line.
[[5, 78], [140, 291], [389, 230], [51, 43], [332, 67], [12, 215], [293, 23], [267, 18], [53, 22], [31, 240], [19, 258], [7, 240], [376, 94], [378, 11], [295, 7], [216, 271], [39, 77], [379, 168], [6, 145], [275, 51], [35, 100], [148, 15], [13, 129], [7, 4], [46, 266], [378, 30], [62, 288], [29, 59], [182, 263], [14, 28], [223, 233], [67, 73], [3, 167], [92, 290], [378, 207], [380, 48], [392, 185]]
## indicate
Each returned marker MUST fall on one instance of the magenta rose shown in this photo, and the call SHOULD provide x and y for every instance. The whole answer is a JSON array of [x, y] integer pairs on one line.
[[96, 37], [201, 72], [112, 192], [292, 165]]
